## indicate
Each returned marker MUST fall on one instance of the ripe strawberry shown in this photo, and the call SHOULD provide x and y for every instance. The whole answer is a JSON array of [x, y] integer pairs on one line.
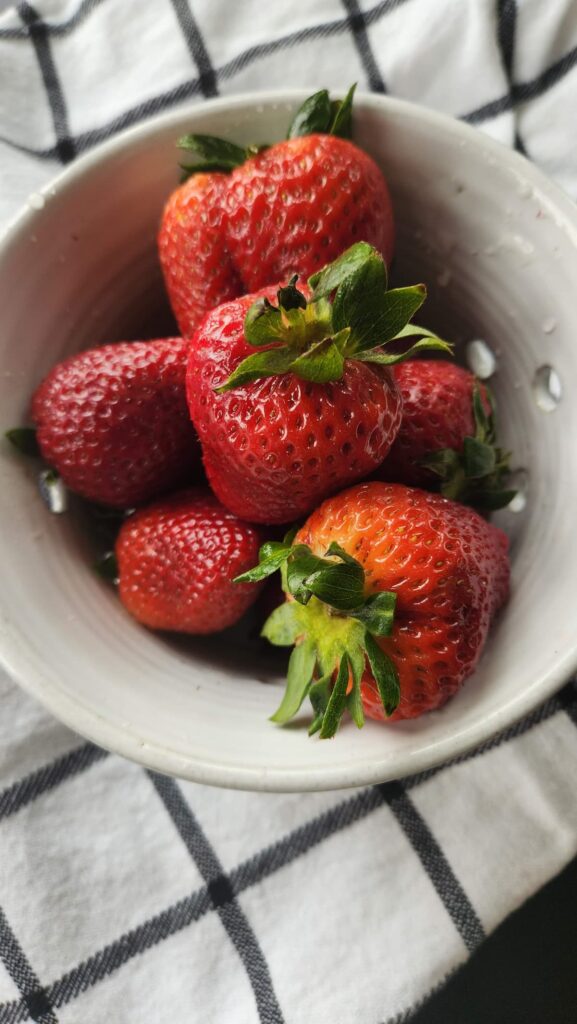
[[177, 559], [447, 436], [198, 271], [288, 209], [114, 421], [314, 407], [395, 618]]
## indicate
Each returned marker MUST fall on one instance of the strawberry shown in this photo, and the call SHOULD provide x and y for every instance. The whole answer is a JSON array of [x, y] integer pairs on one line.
[[198, 271], [275, 211], [176, 561], [391, 592], [114, 421], [447, 436], [314, 407]]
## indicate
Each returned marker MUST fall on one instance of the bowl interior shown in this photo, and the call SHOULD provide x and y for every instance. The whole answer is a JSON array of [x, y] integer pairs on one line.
[[497, 247]]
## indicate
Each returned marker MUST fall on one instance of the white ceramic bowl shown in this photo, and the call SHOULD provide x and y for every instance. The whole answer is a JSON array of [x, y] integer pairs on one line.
[[497, 245]]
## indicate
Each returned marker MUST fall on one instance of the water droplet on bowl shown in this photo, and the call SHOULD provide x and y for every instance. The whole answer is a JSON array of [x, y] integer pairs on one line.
[[518, 481], [549, 325], [518, 503], [36, 201], [525, 190], [53, 491], [480, 359], [547, 389]]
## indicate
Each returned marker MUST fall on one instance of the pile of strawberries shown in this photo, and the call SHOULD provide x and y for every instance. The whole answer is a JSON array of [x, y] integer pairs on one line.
[[292, 392]]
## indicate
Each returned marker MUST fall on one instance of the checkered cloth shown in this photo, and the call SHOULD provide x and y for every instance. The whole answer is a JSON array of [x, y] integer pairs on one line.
[[130, 898]]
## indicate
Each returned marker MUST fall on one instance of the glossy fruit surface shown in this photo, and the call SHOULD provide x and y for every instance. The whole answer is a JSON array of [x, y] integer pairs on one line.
[[176, 561], [113, 421]]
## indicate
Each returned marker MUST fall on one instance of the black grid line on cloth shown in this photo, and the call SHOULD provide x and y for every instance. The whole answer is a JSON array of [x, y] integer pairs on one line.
[[520, 93], [222, 897], [256, 869], [192, 87], [28, 789], [58, 28], [506, 33], [523, 92], [196, 47], [34, 996], [358, 26], [65, 148], [568, 701], [442, 877]]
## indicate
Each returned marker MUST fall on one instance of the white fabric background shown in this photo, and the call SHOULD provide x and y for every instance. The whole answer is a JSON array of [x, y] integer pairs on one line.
[[130, 899]]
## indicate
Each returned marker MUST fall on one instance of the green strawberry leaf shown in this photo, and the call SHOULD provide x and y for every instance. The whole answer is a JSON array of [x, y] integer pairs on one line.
[[322, 362], [282, 628], [264, 324], [336, 551], [271, 556], [300, 566], [384, 674], [299, 677], [107, 567], [338, 584], [313, 116], [491, 500], [318, 115], [444, 462], [415, 330], [391, 358], [378, 613], [484, 424], [24, 440], [325, 281], [354, 699], [319, 696], [220, 154], [337, 701], [475, 476], [478, 458], [270, 363], [374, 315], [342, 114]]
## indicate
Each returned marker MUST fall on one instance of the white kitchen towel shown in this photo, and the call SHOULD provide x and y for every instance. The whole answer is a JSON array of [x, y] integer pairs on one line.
[[134, 899]]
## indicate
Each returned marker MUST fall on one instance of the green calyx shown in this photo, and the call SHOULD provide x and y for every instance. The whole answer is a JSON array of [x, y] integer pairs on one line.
[[351, 315], [321, 115], [476, 476], [334, 627], [318, 114], [24, 440]]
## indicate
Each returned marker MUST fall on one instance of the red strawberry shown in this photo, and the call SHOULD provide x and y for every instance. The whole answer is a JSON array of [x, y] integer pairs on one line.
[[289, 209], [447, 435], [114, 421], [302, 202], [198, 271], [395, 618], [176, 561], [314, 407]]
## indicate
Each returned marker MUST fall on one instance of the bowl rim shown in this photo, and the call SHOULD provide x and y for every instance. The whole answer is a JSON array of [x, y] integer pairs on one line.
[[117, 738]]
